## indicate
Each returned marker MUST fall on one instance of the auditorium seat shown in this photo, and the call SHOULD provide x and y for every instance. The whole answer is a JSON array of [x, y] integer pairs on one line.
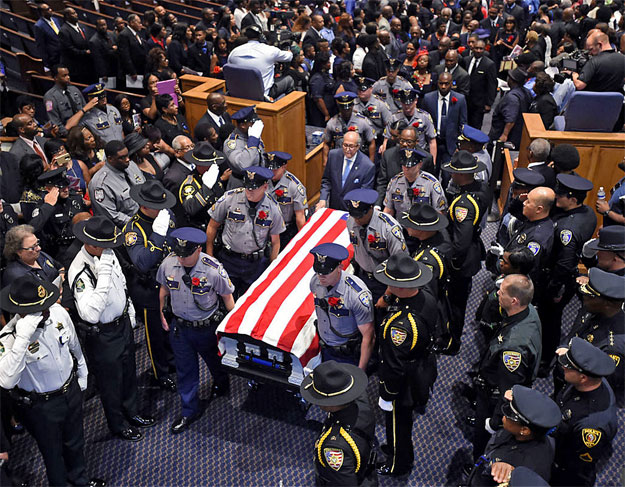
[[244, 82], [590, 111]]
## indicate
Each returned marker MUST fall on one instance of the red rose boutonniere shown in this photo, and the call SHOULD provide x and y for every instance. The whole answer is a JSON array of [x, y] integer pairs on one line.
[[510, 38], [415, 124], [371, 108], [217, 70], [352, 128], [454, 100], [195, 281], [371, 238], [461, 49], [415, 191], [279, 193], [334, 301], [262, 215], [395, 91]]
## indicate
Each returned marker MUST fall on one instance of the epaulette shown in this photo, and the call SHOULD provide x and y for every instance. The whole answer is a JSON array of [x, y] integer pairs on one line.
[[401, 78], [397, 176], [385, 218], [292, 178], [378, 97], [397, 111], [429, 177], [358, 114], [383, 78], [271, 197], [234, 191], [351, 283], [208, 261]]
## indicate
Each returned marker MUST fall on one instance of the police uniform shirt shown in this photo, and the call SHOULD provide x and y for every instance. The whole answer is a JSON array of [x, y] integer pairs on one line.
[[376, 111], [45, 362], [58, 105], [55, 221], [290, 194], [484, 156], [536, 236], [98, 299], [382, 238], [240, 155], [241, 233], [195, 196], [109, 191], [353, 308], [208, 279], [8, 220], [401, 195], [336, 128], [421, 121], [106, 124], [435, 253], [385, 91]]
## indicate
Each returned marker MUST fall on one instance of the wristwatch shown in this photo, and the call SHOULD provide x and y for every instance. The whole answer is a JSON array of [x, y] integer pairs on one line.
[[387, 298]]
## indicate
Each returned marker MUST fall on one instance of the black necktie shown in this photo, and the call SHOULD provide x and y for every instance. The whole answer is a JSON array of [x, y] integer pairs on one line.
[[443, 118], [71, 102], [363, 235], [128, 180]]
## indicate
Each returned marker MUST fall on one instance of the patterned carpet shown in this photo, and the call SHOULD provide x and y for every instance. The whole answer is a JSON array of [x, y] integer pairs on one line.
[[264, 437]]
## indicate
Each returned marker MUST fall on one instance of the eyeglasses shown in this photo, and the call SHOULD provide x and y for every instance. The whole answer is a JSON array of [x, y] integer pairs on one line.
[[350, 146], [188, 148], [407, 141], [34, 247]]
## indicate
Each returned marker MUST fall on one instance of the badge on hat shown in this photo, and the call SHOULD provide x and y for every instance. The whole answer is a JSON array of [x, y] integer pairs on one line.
[[511, 360], [320, 258]]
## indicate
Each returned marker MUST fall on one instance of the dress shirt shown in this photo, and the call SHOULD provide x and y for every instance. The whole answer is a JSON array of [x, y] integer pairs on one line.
[[34, 145], [347, 167], [190, 167], [475, 62], [218, 119], [136, 34]]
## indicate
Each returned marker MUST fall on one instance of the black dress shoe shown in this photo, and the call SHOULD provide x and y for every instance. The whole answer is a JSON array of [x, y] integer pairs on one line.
[[142, 421], [385, 469], [183, 423], [220, 390], [130, 434], [95, 482], [167, 384]]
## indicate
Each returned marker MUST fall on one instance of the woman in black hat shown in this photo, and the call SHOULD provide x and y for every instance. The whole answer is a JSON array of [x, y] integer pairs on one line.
[[139, 152]]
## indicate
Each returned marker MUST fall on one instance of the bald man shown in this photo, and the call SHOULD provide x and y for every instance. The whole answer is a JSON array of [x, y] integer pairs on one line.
[[28, 141], [461, 82], [216, 114]]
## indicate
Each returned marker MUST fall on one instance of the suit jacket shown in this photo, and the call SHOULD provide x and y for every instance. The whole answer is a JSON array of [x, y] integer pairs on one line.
[[483, 79], [456, 116], [312, 37], [105, 61], [435, 59], [10, 182], [249, 19], [518, 13], [198, 60], [74, 55], [460, 78], [21, 148], [361, 175], [206, 118], [131, 54], [488, 25], [48, 42]]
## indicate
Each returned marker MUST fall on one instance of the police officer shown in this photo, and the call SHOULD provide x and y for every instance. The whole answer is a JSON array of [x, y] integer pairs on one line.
[[412, 186], [8, 220], [407, 366], [574, 224], [343, 306], [146, 240], [53, 222], [252, 222], [465, 213], [193, 281], [103, 120], [511, 357], [588, 407], [601, 321], [389, 86], [290, 194], [474, 141], [344, 451], [606, 252], [417, 118], [244, 147], [529, 416], [372, 107], [375, 237], [99, 289], [42, 363], [64, 103], [204, 186], [109, 189], [345, 121]]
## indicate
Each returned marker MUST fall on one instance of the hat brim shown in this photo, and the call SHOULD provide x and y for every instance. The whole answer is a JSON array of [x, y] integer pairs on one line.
[[440, 224], [190, 159], [52, 295], [138, 146], [424, 277], [80, 234], [355, 391], [596, 245], [479, 167], [135, 194]]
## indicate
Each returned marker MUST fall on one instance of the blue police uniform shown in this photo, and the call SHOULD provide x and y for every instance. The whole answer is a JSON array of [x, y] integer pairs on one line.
[[194, 303]]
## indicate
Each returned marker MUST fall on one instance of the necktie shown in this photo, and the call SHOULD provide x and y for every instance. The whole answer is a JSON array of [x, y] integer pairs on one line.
[[363, 235], [443, 120], [221, 121], [138, 38], [72, 103], [54, 27], [39, 151], [128, 180], [81, 32], [474, 63], [347, 166]]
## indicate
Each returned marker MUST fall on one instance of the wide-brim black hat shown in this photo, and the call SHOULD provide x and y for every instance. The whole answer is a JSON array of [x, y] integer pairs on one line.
[[423, 216], [28, 294], [463, 162], [152, 194], [204, 154], [98, 231], [334, 384], [611, 238], [134, 142], [403, 271]]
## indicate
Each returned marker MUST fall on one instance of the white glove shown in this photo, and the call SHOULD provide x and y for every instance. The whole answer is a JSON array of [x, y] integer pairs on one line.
[[82, 383], [26, 326], [496, 249], [487, 427], [588, 252], [161, 222], [209, 178], [385, 405], [256, 129]]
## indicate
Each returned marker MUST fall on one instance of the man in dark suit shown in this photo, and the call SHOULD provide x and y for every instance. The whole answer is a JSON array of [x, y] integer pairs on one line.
[[132, 48], [216, 114], [483, 89], [437, 56], [313, 35], [511, 9], [346, 169], [104, 49], [10, 182], [449, 112], [200, 53], [460, 78], [450, 26], [46, 31], [75, 52], [253, 17], [177, 173], [28, 141], [492, 23]]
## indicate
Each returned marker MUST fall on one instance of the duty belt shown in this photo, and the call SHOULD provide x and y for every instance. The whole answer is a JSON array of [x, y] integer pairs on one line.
[[198, 323], [116, 321], [46, 396], [259, 254]]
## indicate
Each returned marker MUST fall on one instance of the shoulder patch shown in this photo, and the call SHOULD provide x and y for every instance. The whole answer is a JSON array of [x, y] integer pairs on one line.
[[231, 144], [511, 360], [334, 458], [98, 194], [365, 299], [49, 105], [565, 237], [396, 231], [591, 437], [210, 262], [460, 213], [301, 189], [1, 348], [131, 239], [534, 247]]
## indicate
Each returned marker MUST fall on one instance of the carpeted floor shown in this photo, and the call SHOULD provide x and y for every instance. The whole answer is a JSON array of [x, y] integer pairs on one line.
[[264, 437]]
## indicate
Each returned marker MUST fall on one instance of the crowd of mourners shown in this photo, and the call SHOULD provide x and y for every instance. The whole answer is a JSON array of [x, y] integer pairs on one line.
[[115, 215]]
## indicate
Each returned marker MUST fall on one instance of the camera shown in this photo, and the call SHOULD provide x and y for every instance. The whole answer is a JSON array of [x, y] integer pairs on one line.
[[575, 61]]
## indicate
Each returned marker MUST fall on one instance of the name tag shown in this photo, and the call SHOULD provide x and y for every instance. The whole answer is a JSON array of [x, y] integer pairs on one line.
[[236, 217]]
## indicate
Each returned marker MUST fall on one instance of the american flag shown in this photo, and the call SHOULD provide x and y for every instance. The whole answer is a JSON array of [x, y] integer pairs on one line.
[[278, 309]]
